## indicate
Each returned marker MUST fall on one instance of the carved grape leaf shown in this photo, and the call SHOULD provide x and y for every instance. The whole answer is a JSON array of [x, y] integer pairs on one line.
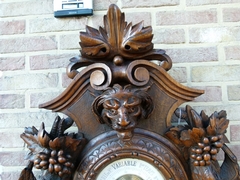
[[191, 136], [118, 38], [31, 141], [216, 125], [196, 134], [94, 43], [196, 119], [186, 139], [137, 38], [43, 136], [66, 143]]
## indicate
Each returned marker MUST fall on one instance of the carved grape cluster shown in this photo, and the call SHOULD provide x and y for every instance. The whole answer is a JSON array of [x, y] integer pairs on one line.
[[55, 162], [206, 150]]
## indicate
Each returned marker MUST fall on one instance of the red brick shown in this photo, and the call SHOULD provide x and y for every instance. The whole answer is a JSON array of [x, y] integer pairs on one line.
[[39, 98], [179, 74], [70, 41], [212, 94], [235, 132], [50, 61], [103, 5], [26, 44], [153, 3], [66, 24], [235, 149], [232, 110], [10, 175], [216, 73], [137, 17], [21, 120], [134, 17], [186, 17], [200, 54], [28, 81], [12, 27], [12, 101], [217, 34], [233, 92], [11, 139], [26, 8], [206, 2], [12, 63], [232, 52], [65, 80], [231, 14], [15, 158], [169, 36]]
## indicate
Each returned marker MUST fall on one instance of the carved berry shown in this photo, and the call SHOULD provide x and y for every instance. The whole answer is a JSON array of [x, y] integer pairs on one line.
[[57, 167], [205, 140], [61, 159], [201, 145], [196, 163], [202, 163], [43, 163], [206, 157], [199, 157], [207, 148], [199, 151], [213, 151], [53, 153], [52, 160]]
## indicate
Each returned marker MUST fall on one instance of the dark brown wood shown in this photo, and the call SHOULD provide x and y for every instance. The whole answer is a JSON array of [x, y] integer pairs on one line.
[[123, 105]]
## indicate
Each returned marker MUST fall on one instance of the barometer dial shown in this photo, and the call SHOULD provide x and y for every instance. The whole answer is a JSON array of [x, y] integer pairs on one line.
[[130, 169]]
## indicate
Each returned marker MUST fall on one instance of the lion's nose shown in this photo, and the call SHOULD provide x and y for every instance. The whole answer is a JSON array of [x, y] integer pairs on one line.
[[123, 122], [123, 119]]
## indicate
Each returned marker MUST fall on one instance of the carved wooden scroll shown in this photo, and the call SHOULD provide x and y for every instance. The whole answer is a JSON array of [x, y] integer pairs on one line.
[[123, 104]]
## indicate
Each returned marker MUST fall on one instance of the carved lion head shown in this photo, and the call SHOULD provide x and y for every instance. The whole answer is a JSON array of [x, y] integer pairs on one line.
[[120, 107]]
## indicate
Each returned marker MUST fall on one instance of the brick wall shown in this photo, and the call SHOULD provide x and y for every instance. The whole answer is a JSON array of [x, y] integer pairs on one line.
[[201, 36]]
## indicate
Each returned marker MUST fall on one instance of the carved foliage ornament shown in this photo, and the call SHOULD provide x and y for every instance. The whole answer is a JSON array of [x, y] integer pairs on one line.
[[55, 153], [117, 43], [200, 140]]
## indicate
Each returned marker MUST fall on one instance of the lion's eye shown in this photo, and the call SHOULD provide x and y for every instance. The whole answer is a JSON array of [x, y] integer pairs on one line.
[[132, 109], [113, 111]]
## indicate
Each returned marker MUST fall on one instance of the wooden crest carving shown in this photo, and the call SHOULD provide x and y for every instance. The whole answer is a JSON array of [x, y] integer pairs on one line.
[[123, 104]]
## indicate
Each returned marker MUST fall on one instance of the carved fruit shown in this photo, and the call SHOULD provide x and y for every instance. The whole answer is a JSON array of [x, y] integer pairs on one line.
[[61, 159], [206, 157], [50, 168], [57, 167], [205, 140]]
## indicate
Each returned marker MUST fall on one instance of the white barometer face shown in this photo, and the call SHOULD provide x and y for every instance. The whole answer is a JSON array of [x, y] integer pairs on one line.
[[130, 169]]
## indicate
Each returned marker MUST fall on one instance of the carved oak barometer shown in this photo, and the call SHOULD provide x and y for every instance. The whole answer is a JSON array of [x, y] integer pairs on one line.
[[123, 104]]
